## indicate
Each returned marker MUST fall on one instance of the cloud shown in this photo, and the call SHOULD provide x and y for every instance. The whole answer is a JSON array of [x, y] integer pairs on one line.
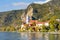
[[42, 2], [20, 4]]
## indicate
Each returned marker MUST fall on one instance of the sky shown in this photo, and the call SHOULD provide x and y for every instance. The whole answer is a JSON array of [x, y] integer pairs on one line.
[[7, 5]]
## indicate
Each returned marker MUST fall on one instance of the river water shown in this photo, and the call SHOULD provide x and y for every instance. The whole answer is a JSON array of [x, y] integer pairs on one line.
[[28, 36]]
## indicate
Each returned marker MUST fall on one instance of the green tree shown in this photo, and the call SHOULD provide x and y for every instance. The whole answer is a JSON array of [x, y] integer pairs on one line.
[[52, 27], [43, 29], [52, 23], [59, 27]]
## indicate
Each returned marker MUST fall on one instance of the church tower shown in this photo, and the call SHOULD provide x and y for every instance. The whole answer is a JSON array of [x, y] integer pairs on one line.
[[29, 14]]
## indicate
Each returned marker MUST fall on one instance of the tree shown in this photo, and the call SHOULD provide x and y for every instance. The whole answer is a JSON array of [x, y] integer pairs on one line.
[[59, 27], [52, 27], [52, 23], [34, 23], [43, 29]]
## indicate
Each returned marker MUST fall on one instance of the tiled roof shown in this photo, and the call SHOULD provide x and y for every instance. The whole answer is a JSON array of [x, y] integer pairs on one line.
[[32, 21]]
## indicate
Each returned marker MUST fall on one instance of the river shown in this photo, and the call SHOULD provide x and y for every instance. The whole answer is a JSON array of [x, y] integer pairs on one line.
[[28, 36]]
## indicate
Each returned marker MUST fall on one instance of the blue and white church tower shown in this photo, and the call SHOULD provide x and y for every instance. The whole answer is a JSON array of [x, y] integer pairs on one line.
[[27, 19]]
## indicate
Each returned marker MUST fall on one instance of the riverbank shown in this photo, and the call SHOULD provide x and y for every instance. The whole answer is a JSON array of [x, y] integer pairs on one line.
[[33, 32]]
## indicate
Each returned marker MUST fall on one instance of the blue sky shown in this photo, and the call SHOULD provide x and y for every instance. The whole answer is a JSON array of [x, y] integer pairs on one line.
[[7, 5]]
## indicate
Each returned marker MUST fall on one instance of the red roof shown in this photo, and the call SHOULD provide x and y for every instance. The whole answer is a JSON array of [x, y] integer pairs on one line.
[[42, 22], [32, 21]]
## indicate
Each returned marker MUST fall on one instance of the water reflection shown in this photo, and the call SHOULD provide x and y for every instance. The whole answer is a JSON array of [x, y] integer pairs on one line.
[[54, 36], [40, 36], [28, 36]]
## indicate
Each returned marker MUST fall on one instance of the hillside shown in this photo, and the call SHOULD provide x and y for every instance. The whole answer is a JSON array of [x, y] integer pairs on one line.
[[10, 17], [44, 11]]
